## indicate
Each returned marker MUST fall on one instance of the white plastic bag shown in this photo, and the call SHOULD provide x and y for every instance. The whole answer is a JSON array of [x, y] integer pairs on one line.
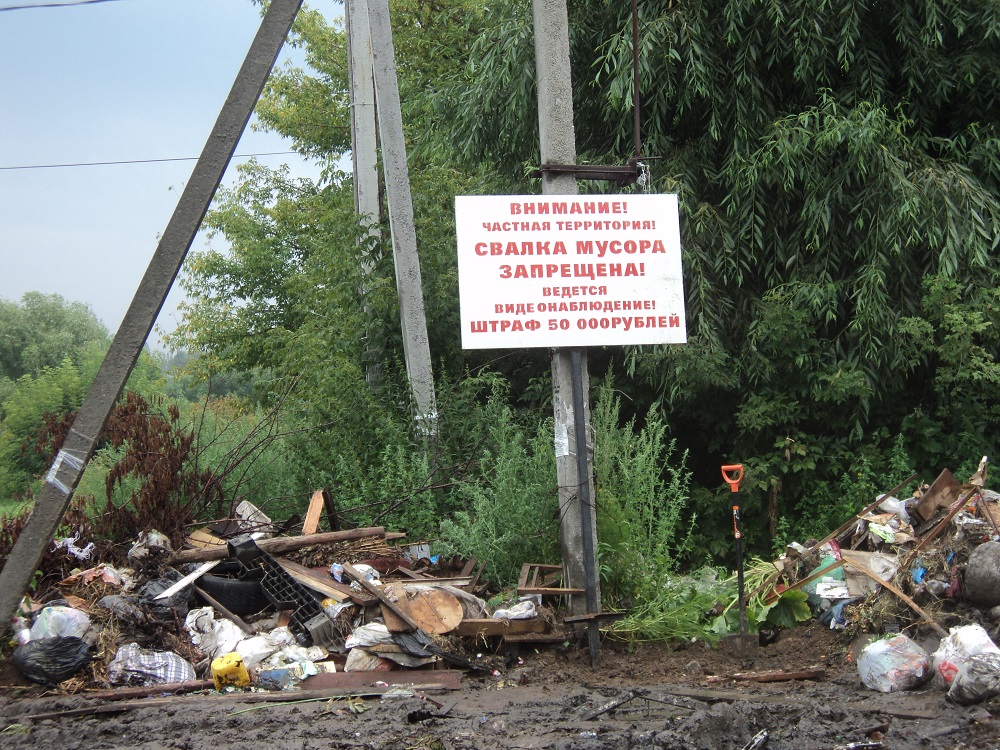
[[955, 650], [897, 663], [59, 622], [524, 610], [263, 646], [214, 637], [362, 660], [372, 634], [892, 504]]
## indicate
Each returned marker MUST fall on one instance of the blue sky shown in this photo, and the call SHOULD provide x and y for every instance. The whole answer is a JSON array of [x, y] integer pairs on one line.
[[112, 81]]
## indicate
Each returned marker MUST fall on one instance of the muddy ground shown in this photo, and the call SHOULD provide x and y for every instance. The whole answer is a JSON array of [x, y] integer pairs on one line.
[[544, 703]]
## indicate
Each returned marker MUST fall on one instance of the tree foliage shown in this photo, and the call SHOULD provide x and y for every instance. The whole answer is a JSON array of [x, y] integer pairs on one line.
[[837, 165], [831, 159], [41, 331]]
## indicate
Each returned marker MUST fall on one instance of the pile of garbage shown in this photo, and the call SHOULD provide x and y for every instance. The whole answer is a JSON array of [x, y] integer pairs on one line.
[[245, 606], [259, 611], [928, 564]]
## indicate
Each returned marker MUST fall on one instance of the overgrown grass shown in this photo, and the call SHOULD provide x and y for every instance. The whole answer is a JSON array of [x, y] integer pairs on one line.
[[512, 515], [642, 487]]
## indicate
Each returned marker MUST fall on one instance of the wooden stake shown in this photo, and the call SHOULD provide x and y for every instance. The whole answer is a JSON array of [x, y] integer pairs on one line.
[[311, 524], [280, 544]]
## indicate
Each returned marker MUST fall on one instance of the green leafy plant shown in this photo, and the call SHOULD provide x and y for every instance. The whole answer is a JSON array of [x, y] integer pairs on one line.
[[674, 608], [764, 604]]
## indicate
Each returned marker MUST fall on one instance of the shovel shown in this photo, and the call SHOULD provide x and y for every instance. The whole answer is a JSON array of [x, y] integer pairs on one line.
[[744, 644]]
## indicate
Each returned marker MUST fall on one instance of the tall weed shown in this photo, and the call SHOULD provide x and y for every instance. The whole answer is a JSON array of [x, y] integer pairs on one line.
[[512, 515], [642, 491], [642, 487]]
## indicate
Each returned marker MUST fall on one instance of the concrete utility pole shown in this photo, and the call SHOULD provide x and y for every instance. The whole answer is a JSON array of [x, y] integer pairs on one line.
[[409, 285], [364, 146], [577, 512], [78, 448]]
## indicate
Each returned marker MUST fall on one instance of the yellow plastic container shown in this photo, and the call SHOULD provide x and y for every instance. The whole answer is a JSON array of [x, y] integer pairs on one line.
[[230, 670]]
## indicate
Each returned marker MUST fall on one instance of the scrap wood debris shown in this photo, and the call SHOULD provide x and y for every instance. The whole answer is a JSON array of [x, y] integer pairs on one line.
[[246, 606], [774, 675], [917, 550]]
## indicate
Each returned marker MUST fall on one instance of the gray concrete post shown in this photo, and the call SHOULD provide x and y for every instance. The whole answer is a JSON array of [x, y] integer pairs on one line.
[[557, 139], [409, 286], [364, 148]]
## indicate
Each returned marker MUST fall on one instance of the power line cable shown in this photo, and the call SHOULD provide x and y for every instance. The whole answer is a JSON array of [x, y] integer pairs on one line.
[[32, 6], [136, 161]]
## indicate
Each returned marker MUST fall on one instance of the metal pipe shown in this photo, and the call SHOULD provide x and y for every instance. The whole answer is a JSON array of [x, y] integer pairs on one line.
[[583, 492], [635, 78]]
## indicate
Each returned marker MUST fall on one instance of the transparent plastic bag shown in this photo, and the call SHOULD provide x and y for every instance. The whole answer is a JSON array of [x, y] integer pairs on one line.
[[59, 622], [976, 680], [893, 664], [955, 650]]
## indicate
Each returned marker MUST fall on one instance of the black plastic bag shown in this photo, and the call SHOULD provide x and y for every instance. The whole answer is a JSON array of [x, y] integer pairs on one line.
[[49, 661], [165, 610]]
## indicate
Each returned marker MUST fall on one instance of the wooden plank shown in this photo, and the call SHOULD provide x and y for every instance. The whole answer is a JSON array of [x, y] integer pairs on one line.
[[959, 504], [714, 695], [393, 623], [457, 582], [276, 696], [278, 545], [848, 524], [526, 571], [776, 675], [774, 595], [537, 638], [311, 524], [412, 574], [143, 691], [470, 565], [434, 610], [313, 580], [596, 616], [377, 592], [491, 627], [332, 519], [991, 513], [941, 494], [240, 622], [188, 579], [549, 592], [204, 538], [473, 584]]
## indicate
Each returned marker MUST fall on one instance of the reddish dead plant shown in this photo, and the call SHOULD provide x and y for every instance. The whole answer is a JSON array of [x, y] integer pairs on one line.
[[161, 455]]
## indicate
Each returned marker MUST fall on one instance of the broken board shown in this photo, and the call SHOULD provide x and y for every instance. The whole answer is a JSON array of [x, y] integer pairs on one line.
[[433, 610]]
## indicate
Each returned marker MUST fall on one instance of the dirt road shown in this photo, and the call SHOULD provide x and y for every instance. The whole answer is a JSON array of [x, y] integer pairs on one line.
[[649, 696]]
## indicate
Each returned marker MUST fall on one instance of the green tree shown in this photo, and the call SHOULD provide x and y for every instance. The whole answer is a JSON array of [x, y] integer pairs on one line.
[[829, 157], [26, 445], [832, 159], [42, 330]]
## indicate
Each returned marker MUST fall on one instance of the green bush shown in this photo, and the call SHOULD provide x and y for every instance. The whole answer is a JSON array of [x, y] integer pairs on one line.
[[513, 501], [642, 493]]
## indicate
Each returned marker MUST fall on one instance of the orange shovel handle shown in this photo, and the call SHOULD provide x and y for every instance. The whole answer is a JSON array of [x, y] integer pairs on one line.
[[732, 474]]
